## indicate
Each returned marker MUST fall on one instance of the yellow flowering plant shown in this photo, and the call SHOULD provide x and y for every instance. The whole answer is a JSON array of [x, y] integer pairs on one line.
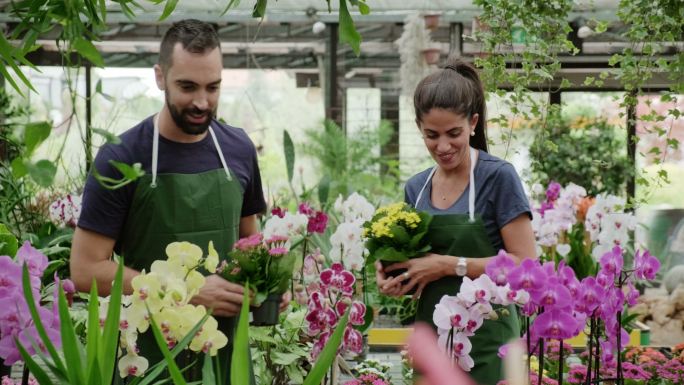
[[163, 294], [396, 233]]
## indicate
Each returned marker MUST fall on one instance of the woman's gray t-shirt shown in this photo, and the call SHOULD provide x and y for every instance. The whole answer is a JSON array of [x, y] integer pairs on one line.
[[499, 196]]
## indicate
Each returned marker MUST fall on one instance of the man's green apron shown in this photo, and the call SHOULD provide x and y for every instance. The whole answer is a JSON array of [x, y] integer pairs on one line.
[[465, 235], [196, 208]]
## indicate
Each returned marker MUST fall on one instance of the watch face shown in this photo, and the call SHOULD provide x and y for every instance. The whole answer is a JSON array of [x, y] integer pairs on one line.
[[461, 270], [461, 267]]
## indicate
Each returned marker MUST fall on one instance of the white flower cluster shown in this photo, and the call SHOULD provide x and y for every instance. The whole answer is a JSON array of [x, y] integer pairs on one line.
[[290, 225], [347, 243], [65, 211], [608, 225], [554, 221], [458, 317]]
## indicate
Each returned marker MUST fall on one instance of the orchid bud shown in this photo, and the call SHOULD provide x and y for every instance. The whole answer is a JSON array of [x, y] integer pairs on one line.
[[298, 288], [346, 300], [493, 315], [320, 258]]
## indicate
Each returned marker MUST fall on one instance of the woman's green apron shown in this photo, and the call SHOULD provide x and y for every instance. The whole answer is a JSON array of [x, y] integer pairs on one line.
[[196, 208], [465, 235]]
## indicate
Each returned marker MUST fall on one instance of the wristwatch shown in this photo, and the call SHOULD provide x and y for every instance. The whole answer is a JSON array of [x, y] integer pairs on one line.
[[461, 267]]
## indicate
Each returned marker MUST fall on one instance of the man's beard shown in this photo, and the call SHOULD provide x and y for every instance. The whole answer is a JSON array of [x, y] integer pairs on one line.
[[180, 118]]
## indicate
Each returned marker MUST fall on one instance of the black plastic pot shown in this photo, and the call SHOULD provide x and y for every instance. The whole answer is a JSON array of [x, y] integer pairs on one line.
[[267, 313]]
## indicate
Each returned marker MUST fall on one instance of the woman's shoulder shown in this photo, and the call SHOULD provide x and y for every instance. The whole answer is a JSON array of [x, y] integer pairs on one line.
[[491, 164], [419, 178]]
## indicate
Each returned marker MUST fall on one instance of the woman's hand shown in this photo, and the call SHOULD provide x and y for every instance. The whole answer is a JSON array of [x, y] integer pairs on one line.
[[419, 272], [386, 286]]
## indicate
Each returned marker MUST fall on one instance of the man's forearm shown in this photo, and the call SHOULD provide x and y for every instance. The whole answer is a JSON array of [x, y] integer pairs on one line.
[[103, 272]]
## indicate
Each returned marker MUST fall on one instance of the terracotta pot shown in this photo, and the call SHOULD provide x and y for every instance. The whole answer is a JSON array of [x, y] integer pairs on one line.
[[432, 55], [431, 21]]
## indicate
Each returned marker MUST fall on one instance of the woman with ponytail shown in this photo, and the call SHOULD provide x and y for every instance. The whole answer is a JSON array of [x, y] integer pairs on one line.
[[478, 207]]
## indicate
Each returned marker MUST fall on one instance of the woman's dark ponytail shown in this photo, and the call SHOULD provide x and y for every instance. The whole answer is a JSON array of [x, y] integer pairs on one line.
[[457, 88]]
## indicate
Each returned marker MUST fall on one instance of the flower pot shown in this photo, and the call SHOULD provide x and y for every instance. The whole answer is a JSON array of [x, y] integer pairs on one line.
[[395, 273], [431, 21], [432, 55], [267, 313]]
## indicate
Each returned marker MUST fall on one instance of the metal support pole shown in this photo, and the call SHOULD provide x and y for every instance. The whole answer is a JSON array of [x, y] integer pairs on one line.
[[89, 119], [333, 102]]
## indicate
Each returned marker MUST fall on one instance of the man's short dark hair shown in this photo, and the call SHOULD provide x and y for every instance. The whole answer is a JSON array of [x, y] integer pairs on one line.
[[194, 35]]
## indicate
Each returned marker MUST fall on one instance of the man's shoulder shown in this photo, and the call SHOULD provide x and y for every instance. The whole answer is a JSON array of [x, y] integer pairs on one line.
[[235, 138], [132, 143]]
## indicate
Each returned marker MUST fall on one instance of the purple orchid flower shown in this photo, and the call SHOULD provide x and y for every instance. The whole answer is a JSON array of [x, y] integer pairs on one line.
[[553, 191], [36, 261], [336, 277], [645, 265], [589, 296], [356, 314], [553, 295], [499, 268], [611, 262], [528, 276], [10, 277], [353, 340], [555, 324]]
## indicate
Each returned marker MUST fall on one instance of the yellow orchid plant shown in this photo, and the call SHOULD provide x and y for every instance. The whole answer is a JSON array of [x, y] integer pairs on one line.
[[163, 294]]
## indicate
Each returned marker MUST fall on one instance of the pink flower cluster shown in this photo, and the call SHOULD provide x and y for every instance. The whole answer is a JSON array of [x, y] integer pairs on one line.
[[15, 318], [318, 220], [65, 211], [367, 379], [8, 381], [328, 304]]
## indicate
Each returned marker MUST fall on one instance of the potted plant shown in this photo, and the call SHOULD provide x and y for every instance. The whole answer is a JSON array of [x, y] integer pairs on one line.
[[431, 20], [265, 266], [395, 234]]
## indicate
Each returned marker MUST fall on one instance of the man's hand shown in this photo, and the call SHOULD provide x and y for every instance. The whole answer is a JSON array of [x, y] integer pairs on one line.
[[225, 298], [285, 301]]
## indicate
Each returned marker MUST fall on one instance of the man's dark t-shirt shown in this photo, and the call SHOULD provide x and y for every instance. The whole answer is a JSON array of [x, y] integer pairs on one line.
[[104, 211]]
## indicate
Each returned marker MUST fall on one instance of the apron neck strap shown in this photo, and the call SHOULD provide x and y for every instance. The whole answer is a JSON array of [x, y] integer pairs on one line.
[[155, 152], [471, 184]]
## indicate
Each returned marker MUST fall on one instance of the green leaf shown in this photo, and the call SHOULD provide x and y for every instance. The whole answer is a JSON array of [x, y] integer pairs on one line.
[[129, 172], [175, 372], [35, 134], [208, 376], [327, 356], [9, 56], [363, 8], [157, 369], [288, 147], [35, 369], [8, 242], [543, 73], [324, 190], [110, 335], [43, 172], [348, 33], [38, 323], [73, 352], [93, 336], [88, 51], [283, 358], [168, 9], [231, 4], [109, 137], [259, 8], [239, 366], [19, 168]]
